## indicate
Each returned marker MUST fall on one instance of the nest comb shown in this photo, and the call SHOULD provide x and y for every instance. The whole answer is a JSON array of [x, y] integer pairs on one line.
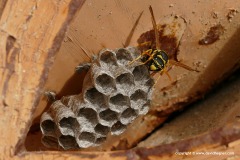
[[113, 95]]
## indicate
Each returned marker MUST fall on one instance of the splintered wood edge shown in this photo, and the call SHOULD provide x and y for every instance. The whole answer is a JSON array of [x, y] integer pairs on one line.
[[29, 42], [225, 139]]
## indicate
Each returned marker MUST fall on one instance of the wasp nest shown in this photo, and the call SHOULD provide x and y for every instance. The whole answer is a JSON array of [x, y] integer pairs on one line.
[[114, 93]]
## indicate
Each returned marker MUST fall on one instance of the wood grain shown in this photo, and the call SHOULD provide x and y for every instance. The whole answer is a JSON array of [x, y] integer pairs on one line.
[[31, 33]]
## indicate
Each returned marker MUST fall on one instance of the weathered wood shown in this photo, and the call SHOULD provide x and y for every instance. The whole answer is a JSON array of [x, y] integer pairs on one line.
[[222, 140], [2, 5], [217, 109], [32, 31], [110, 26]]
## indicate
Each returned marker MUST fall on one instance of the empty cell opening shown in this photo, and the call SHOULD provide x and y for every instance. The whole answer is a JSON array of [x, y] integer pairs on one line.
[[125, 79], [96, 97], [141, 73], [123, 56], [128, 115], [150, 83], [68, 122], [139, 95], [68, 142], [105, 82], [100, 140], [48, 126], [89, 114], [50, 141], [118, 128], [103, 130], [108, 115], [120, 100], [108, 58], [86, 138]]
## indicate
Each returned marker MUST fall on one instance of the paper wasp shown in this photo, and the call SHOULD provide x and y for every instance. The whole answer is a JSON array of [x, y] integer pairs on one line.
[[156, 59]]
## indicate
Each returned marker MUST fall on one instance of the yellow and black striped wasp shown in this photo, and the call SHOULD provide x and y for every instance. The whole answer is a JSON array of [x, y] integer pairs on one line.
[[156, 59]]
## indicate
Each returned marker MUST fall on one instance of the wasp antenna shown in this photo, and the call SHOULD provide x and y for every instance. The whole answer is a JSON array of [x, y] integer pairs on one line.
[[155, 28], [84, 50], [129, 37], [168, 75]]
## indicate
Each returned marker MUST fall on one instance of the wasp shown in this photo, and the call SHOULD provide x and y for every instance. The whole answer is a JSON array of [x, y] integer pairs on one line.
[[156, 59]]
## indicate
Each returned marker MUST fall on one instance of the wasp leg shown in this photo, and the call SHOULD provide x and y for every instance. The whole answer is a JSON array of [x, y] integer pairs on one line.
[[150, 57], [82, 67], [148, 43], [175, 63], [51, 96], [135, 60], [168, 75], [160, 74], [147, 52], [153, 74], [144, 53]]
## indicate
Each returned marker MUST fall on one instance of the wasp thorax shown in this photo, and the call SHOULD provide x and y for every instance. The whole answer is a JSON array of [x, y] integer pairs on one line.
[[157, 60]]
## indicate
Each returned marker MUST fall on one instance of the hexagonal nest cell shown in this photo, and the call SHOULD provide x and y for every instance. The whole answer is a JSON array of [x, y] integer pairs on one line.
[[114, 94]]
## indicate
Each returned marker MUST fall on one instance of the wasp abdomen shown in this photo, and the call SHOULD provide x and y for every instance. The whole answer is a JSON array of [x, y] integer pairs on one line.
[[159, 60]]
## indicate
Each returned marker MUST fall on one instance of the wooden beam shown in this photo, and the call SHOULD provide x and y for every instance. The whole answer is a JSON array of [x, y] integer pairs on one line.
[[31, 33]]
